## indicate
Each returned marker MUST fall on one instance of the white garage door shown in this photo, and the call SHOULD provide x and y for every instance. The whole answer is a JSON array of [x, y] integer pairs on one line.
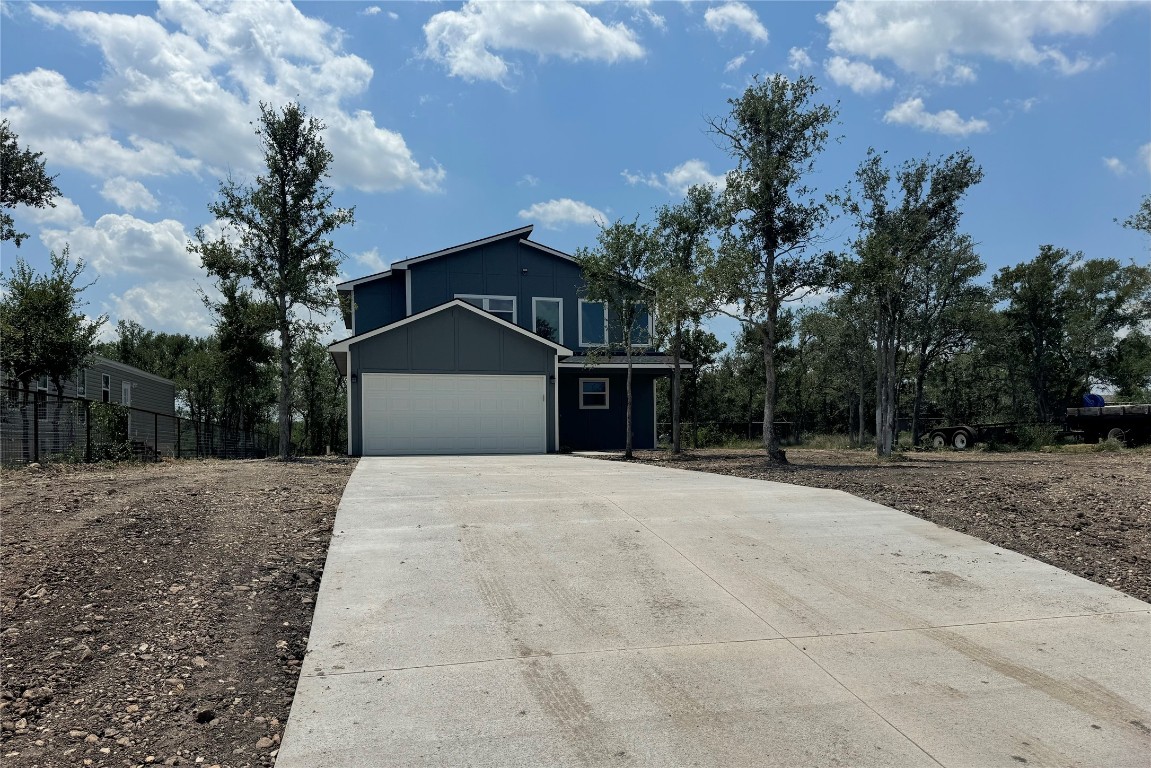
[[413, 413]]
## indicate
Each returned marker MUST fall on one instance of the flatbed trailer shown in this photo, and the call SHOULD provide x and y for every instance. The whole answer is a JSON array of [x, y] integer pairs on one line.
[[1129, 424]]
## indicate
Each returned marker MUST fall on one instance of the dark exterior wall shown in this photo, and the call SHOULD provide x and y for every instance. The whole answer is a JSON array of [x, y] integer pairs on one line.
[[504, 268], [379, 302], [605, 429], [452, 341]]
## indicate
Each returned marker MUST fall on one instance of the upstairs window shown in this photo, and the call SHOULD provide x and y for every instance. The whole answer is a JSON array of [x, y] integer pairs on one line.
[[503, 307], [592, 323], [82, 383], [105, 388], [642, 327], [548, 319]]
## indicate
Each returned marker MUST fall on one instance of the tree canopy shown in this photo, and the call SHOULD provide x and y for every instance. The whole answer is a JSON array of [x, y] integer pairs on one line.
[[23, 180]]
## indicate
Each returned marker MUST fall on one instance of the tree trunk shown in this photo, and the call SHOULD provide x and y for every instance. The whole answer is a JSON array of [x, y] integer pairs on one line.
[[770, 437], [285, 410], [920, 377], [676, 447], [862, 403], [627, 440], [884, 384]]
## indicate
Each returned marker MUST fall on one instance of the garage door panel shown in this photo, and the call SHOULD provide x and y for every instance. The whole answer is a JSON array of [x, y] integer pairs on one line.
[[453, 413]]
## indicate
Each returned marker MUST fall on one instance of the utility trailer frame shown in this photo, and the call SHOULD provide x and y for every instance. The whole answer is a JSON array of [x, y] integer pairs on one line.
[[1129, 424]]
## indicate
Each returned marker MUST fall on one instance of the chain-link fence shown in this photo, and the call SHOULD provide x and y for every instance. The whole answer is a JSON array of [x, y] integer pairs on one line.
[[36, 427]]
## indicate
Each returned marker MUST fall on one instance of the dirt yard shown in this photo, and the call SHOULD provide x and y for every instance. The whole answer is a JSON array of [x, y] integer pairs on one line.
[[1088, 513], [158, 614]]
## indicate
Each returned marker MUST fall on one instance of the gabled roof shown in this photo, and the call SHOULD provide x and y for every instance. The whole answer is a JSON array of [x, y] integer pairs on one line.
[[521, 233], [339, 349]]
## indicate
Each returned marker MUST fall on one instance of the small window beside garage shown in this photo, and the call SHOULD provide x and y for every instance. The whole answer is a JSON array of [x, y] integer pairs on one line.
[[503, 307], [593, 393]]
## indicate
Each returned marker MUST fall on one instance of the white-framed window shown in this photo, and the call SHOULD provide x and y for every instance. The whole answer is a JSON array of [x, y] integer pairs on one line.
[[82, 383], [548, 318], [643, 327], [593, 394], [503, 307], [43, 383], [105, 388], [592, 323]]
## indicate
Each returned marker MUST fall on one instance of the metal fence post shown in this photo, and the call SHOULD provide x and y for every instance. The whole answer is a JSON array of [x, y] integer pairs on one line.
[[87, 431], [156, 435], [35, 427], [178, 421]]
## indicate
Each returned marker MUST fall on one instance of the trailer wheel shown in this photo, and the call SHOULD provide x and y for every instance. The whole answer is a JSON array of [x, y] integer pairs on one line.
[[937, 440], [960, 440], [1118, 435]]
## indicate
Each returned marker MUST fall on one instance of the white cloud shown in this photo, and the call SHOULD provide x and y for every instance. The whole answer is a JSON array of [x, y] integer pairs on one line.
[[128, 194], [677, 181], [1116, 166], [856, 75], [931, 39], [371, 10], [554, 214], [911, 112], [466, 41], [179, 90], [393, 15], [735, 63], [799, 60], [1145, 156], [123, 244], [735, 16], [527, 180], [371, 259], [166, 304], [65, 214]]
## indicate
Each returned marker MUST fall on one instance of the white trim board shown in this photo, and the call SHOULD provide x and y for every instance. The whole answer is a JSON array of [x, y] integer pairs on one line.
[[487, 296], [521, 232], [343, 344], [125, 368]]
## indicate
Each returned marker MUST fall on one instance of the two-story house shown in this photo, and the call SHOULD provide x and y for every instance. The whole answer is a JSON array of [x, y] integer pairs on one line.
[[489, 347]]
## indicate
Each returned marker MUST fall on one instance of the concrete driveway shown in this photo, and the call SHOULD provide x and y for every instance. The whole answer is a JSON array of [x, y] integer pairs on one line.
[[555, 610]]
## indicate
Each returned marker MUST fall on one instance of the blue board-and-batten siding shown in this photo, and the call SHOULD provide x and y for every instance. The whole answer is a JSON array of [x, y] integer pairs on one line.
[[455, 340], [586, 429]]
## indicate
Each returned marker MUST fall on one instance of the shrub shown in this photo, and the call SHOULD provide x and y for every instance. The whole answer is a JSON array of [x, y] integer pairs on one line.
[[1032, 437], [1110, 445]]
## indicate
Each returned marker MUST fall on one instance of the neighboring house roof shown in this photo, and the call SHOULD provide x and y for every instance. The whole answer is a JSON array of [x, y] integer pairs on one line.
[[339, 349], [620, 361], [522, 233], [125, 368]]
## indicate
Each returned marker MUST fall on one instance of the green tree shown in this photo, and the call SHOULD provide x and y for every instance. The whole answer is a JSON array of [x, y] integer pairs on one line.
[[44, 331], [769, 253], [245, 358], [945, 311], [616, 272], [681, 252], [1141, 219], [320, 399], [1063, 319], [23, 180], [278, 237], [904, 215], [1128, 366]]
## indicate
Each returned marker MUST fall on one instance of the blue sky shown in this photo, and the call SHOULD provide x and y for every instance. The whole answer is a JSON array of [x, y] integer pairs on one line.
[[450, 122]]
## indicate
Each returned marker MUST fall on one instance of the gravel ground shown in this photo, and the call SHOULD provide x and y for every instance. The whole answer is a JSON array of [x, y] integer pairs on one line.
[[1088, 513], [159, 614]]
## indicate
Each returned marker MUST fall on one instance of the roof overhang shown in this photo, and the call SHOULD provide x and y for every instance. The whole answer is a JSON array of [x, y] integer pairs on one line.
[[339, 350]]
